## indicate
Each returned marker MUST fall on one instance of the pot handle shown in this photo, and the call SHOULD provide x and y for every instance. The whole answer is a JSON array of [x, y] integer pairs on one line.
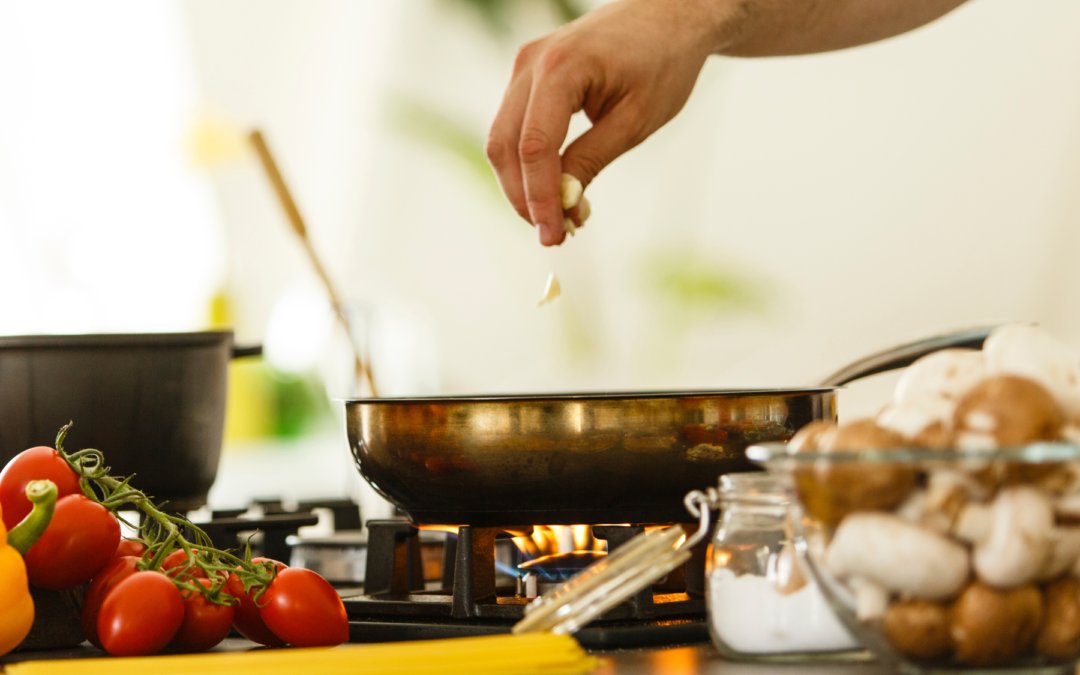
[[906, 354], [250, 350]]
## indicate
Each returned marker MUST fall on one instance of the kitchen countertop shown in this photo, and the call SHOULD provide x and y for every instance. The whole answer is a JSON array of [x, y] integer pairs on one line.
[[696, 660], [705, 660]]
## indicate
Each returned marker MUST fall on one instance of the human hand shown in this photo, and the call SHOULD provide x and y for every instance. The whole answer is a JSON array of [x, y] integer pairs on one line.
[[630, 65]]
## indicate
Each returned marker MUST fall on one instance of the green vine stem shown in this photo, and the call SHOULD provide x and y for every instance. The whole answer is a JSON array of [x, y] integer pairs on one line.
[[164, 533], [42, 494]]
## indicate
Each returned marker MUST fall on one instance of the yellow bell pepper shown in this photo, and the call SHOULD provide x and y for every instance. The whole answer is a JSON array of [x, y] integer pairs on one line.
[[16, 606]]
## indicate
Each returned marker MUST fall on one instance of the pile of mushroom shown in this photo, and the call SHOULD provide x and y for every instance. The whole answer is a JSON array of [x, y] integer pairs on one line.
[[973, 560]]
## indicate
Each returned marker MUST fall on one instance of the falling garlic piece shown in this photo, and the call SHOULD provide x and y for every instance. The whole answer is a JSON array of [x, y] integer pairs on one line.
[[551, 290]]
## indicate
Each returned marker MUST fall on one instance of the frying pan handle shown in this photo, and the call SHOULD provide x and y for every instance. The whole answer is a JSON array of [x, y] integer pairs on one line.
[[250, 350], [905, 355]]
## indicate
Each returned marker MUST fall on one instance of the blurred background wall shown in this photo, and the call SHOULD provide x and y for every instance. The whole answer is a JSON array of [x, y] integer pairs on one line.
[[799, 213]]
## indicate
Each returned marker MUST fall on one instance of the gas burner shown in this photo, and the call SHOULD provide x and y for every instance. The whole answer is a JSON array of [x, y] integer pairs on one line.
[[276, 524], [468, 600], [536, 577]]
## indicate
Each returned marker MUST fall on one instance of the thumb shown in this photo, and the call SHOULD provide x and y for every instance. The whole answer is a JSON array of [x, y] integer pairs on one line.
[[611, 136]]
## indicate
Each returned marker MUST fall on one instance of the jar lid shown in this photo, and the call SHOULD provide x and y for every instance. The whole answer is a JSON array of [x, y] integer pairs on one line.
[[621, 574], [755, 487]]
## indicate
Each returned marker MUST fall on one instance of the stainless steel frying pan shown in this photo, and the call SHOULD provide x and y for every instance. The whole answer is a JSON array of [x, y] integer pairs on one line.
[[560, 459]]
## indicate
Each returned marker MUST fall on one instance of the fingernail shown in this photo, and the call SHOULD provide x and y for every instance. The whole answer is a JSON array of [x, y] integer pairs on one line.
[[545, 234]]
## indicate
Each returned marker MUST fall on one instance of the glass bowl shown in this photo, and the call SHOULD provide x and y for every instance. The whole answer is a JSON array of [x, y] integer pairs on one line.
[[945, 560]]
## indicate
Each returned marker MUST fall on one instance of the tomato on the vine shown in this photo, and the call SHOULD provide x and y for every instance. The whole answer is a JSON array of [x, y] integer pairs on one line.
[[179, 559], [247, 619], [304, 610], [79, 542], [130, 547], [141, 615], [205, 623], [104, 581], [38, 463]]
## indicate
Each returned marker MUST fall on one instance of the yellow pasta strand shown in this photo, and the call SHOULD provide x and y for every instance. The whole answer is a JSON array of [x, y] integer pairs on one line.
[[533, 654]]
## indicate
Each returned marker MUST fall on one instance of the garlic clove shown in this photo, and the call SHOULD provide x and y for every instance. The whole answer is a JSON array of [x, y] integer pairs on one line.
[[568, 226], [570, 191], [584, 209]]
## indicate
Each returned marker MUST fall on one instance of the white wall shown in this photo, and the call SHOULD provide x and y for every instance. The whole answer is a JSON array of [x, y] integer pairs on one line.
[[879, 194], [874, 195]]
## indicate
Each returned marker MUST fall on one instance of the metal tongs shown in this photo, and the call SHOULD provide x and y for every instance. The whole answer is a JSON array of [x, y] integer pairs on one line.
[[639, 563]]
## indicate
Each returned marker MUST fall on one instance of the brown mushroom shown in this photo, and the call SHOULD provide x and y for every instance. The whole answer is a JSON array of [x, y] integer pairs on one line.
[[1006, 411], [807, 437], [991, 627], [1059, 637], [935, 437], [831, 490], [918, 629]]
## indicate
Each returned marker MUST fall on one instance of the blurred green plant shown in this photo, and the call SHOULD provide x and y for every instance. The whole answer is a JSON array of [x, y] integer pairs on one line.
[[426, 124], [496, 14], [686, 281], [300, 403], [266, 403]]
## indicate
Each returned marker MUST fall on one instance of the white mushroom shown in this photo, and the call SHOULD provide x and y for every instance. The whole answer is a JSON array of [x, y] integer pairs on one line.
[[912, 418], [1031, 352], [914, 508], [897, 555], [1011, 536], [871, 599], [945, 374], [936, 506]]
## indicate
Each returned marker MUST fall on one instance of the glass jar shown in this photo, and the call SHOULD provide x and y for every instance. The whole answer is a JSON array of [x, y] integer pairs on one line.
[[762, 606]]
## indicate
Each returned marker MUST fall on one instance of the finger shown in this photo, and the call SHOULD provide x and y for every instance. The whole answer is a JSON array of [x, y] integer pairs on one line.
[[552, 102], [502, 142], [611, 135]]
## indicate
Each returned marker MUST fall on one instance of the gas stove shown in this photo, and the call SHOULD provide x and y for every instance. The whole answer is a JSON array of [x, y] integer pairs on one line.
[[397, 603], [400, 581]]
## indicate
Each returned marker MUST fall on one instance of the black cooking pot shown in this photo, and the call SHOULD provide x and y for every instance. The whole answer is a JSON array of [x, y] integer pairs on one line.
[[154, 404]]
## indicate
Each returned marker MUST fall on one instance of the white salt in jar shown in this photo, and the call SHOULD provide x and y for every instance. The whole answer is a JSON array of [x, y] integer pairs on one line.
[[761, 604]]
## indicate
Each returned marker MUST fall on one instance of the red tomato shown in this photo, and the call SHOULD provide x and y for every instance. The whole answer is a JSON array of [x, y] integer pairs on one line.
[[141, 615], [116, 571], [304, 610], [247, 619], [179, 558], [205, 624], [79, 542], [38, 463], [129, 547]]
